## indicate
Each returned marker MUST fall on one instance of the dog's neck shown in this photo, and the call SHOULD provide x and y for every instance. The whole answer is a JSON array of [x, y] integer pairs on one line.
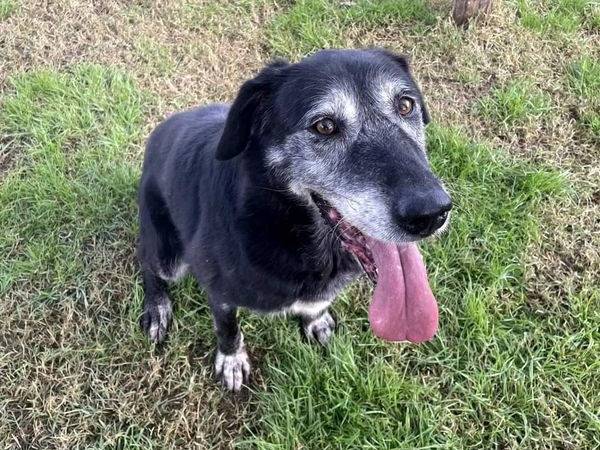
[[285, 218]]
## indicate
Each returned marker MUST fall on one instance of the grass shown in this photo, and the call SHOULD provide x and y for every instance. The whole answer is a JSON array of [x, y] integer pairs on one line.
[[584, 80], [65, 211], [560, 15], [7, 8], [75, 129], [518, 103], [314, 24], [514, 135], [154, 56]]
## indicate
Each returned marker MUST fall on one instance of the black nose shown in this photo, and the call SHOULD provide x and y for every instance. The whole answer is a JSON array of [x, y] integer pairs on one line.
[[421, 215]]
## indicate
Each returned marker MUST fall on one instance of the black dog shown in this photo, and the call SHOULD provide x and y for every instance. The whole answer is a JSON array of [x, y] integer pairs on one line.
[[277, 202]]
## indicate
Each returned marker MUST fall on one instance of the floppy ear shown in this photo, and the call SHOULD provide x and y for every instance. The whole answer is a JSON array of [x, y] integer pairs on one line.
[[425, 112], [243, 119], [404, 62]]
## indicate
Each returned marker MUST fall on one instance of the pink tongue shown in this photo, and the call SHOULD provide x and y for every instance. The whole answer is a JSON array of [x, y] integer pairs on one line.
[[403, 307]]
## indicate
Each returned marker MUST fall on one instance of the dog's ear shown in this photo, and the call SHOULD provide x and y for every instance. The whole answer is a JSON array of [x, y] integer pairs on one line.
[[425, 112], [244, 117], [404, 62]]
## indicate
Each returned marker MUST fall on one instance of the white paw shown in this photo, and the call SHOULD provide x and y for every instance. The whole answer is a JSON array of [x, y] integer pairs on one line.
[[233, 370], [321, 328], [156, 320]]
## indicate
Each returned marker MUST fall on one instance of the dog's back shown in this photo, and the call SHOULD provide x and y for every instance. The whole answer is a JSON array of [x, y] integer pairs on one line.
[[179, 164], [185, 137]]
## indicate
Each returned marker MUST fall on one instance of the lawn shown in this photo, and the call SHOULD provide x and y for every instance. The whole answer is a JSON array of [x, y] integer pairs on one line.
[[515, 135]]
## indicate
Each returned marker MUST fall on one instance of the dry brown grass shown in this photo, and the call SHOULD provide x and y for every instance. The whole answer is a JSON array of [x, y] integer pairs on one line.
[[185, 53]]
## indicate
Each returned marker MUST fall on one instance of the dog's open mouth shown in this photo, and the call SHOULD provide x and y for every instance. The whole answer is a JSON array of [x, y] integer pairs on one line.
[[403, 307]]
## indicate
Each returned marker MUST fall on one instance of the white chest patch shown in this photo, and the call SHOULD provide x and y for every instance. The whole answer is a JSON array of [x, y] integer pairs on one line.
[[310, 309]]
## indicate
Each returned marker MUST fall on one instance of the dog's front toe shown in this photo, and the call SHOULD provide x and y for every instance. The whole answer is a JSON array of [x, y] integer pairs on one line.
[[233, 370], [320, 329], [156, 319]]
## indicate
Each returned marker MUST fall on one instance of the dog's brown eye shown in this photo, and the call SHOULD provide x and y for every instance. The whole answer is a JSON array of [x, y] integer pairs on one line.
[[325, 127], [405, 105]]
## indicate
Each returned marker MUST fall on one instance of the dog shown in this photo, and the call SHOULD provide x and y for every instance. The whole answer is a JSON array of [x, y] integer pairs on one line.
[[315, 174]]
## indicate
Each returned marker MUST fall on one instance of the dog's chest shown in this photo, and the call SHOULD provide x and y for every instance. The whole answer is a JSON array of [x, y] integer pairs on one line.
[[298, 254], [316, 300], [332, 271], [329, 288]]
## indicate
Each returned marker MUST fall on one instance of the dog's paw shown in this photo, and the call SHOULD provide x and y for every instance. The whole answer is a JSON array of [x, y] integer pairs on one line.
[[233, 370], [156, 319], [320, 329]]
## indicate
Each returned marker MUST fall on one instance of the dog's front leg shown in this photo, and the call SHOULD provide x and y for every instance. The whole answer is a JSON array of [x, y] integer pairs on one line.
[[232, 365], [316, 320], [319, 327]]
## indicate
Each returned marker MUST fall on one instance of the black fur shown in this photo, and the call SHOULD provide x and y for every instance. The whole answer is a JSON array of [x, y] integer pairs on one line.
[[208, 198]]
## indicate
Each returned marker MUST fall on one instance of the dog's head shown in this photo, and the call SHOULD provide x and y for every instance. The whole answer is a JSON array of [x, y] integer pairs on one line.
[[345, 129]]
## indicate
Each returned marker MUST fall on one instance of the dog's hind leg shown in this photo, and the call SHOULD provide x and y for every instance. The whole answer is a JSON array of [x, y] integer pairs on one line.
[[159, 253], [232, 365], [157, 309]]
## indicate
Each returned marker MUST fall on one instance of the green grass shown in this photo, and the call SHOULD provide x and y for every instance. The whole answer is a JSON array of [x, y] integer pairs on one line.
[[68, 224], [74, 188], [314, 24], [491, 375], [565, 16], [584, 82], [518, 103], [155, 56], [7, 8]]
